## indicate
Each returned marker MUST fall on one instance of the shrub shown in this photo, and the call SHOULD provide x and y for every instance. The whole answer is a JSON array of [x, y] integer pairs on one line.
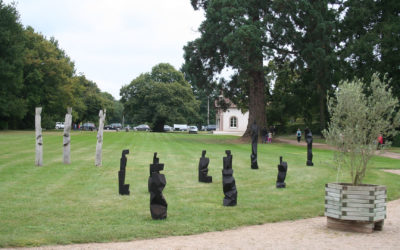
[[358, 115]]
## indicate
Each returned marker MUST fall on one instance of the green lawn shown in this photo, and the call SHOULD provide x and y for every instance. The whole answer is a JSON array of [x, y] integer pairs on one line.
[[63, 204]]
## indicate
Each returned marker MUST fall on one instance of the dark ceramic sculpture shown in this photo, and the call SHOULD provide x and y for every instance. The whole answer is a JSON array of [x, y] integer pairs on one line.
[[282, 169], [123, 188], [203, 168], [254, 141], [309, 141], [228, 182], [157, 182]]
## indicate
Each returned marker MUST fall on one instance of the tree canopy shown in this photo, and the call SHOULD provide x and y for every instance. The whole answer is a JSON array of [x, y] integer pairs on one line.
[[34, 72], [232, 36], [160, 97]]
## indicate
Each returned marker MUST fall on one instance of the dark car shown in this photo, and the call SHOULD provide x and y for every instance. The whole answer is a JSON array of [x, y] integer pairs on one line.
[[107, 127], [116, 126], [142, 127], [211, 127], [88, 126]]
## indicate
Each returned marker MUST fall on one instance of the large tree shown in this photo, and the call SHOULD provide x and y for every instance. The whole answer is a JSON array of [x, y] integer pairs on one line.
[[370, 34], [160, 97], [48, 72], [12, 106], [305, 32], [232, 37]]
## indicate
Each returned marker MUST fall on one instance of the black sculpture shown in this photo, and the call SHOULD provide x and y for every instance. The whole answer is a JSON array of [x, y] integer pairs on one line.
[[309, 140], [282, 169], [123, 188], [157, 182], [254, 141], [228, 182], [203, 168]]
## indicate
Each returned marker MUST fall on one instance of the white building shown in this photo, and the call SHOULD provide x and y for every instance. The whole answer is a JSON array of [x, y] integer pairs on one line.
[[231, 121]]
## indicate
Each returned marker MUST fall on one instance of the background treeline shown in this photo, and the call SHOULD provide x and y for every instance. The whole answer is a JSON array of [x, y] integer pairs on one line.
[[306, 48], [35, 72]]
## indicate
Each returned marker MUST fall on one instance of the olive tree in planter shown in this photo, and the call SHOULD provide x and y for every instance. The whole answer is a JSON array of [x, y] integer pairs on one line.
[[358, 114]]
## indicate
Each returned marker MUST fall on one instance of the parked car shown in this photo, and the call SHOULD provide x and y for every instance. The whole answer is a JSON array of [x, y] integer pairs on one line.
[[107, 127], [88, 126], [211, 127], [193, 130], [116, 126], [180, 127], [142, 127], [168, 128], [59, 125]]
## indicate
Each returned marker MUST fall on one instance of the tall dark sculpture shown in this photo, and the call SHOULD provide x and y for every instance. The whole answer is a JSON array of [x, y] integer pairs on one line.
[[157, 182], [282, 169], [254, 141], [203, 168], [228, 182], [309, 140], [123, 188]]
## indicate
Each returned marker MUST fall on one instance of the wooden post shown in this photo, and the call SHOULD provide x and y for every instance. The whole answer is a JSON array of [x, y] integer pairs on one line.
[[39, 138], [102, 117], [67, 136]]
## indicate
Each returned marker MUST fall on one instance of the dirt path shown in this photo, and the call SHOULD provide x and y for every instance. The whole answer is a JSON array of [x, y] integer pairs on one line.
[[326, 146]]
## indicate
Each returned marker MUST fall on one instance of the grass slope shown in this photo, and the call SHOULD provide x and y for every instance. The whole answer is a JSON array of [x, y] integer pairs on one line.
[[76, 203]]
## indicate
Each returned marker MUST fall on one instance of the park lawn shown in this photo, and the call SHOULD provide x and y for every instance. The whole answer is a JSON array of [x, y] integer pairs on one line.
[[77, 203]]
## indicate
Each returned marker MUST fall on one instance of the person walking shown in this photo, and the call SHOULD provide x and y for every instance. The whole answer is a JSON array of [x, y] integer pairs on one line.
[[264, 135], [298, 133], [270, 137]]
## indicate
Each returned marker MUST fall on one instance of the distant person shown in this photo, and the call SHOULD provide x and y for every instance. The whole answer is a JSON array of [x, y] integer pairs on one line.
[[298, 133], [380, 141], [270, 137], [264, 135]]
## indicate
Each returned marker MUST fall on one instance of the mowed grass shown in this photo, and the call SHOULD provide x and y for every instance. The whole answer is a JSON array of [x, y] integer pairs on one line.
[[76, 203]]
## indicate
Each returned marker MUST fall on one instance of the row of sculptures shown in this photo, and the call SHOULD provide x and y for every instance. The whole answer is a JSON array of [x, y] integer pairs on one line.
[[66, 137], [98, 158], [157, 181]]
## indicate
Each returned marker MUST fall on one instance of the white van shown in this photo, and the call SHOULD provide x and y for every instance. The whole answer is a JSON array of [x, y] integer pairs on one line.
[[180, 127]]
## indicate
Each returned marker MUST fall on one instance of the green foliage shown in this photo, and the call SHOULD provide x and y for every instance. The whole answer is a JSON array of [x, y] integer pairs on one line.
[[232, 36], [160, 97], [358, 115], [47, 79], [79, 203], [12, 105], [370, 34]]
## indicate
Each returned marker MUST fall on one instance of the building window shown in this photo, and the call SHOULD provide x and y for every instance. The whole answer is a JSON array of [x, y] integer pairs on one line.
[[233, 122]]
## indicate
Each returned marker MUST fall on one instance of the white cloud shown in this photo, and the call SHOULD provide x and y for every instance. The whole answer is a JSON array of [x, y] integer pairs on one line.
[[114, 41]]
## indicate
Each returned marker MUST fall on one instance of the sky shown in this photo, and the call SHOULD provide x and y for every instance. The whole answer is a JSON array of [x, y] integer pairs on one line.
[[113, 41]]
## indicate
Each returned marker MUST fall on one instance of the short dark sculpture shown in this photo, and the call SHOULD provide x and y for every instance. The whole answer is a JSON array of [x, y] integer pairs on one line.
[[203, 168], [254, 141], [123, 188], [157, 182], [309, 141], [228, 182], [282, 169]]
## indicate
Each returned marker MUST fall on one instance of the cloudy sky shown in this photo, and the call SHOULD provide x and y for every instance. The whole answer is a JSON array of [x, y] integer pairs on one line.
[[114, 41]]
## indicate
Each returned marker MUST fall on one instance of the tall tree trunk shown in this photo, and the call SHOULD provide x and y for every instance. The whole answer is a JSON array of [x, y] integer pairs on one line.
[[256, 102]]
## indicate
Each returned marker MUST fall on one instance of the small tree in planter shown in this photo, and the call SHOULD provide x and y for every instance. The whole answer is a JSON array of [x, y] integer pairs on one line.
[[358, 115]]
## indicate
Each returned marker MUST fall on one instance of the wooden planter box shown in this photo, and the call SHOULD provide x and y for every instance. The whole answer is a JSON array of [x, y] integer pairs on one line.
[[355, 208]]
